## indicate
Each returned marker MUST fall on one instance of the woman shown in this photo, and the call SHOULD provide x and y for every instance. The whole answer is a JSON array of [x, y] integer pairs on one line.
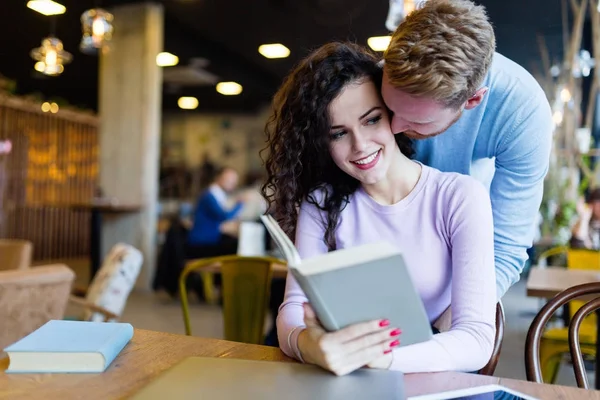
[[341, 178], [586, 231]]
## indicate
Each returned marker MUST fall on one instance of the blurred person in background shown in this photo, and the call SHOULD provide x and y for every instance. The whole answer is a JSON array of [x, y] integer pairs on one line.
[[586, 231], [206, 238]]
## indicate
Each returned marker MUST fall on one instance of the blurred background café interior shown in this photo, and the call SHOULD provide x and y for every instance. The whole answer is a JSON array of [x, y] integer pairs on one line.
[[115, 117]]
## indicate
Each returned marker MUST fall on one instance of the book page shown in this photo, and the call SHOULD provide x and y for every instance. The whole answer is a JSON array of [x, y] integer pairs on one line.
[[281, 239]]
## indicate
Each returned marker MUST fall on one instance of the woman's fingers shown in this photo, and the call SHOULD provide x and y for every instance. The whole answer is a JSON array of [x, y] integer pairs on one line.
[[344, 357], [358, 359], [348, 349], [361, 329], [389, 336]]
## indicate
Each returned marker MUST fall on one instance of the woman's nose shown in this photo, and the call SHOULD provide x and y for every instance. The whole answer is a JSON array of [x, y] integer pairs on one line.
[[359, 143]]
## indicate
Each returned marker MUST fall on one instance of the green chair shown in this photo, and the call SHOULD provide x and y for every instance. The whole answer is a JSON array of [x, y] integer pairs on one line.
[[246, 283]]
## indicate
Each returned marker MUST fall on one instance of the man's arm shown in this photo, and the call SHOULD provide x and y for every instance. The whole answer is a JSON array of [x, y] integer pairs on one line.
[[522, 159], [217, 212]]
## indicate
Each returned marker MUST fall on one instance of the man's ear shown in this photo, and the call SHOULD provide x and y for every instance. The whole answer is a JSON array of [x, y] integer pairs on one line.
[[476, 99]]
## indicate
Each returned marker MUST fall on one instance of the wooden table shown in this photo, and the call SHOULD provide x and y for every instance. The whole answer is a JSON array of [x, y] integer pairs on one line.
[[548, 282], [150, 353]]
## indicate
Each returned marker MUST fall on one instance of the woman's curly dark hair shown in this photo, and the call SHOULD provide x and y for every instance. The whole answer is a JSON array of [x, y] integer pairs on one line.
[[298, 160]]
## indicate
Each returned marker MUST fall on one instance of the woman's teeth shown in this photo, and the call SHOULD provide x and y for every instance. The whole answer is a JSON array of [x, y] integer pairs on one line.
[[367, 159]]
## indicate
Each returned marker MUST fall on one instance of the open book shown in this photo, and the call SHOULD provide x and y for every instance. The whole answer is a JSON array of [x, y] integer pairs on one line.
[[357, 284]]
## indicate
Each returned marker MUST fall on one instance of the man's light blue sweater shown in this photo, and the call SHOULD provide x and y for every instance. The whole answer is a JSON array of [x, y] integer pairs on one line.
[[504, 142]]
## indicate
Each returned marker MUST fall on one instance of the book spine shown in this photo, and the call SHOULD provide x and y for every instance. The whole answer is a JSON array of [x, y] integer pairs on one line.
[[325, 317], [113, 348]]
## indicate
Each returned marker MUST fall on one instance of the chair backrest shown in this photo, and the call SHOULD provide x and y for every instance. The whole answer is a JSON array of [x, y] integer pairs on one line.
[[554, 251], [246, 290], [534, 335], [490, 367], [15, 254], [29, 298], [246, 283], [112, 284], [583, 259]]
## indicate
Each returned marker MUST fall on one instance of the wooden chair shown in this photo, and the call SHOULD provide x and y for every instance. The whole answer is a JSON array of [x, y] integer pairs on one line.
[[533, 362], [31, 297], [555, 341], [15, 254], [490, 367], [246, 283]]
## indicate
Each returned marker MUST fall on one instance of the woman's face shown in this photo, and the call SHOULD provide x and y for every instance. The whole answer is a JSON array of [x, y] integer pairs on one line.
[[362, 143]]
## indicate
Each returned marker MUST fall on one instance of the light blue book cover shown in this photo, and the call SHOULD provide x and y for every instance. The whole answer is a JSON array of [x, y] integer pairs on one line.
[[69, 347]]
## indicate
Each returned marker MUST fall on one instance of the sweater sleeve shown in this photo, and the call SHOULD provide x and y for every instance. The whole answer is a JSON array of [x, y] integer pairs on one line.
[[309, 242], [468, 345], [214, 209]]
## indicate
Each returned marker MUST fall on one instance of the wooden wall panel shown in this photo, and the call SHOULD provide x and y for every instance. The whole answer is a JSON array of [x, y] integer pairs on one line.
[[53, 165]]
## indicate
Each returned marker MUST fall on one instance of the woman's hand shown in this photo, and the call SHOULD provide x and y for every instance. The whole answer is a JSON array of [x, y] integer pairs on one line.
[[348, 349], [383, 362]]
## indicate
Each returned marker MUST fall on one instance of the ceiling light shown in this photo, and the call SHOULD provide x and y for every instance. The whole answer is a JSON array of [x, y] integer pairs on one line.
[[379, 43], [97, 28], [46, 7], [229, 88], [274, 50], [187, 103], [165, 59], [40, 66], [51, 57]]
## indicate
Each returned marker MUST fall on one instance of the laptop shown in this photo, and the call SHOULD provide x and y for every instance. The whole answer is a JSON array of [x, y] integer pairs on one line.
[[228, 378]]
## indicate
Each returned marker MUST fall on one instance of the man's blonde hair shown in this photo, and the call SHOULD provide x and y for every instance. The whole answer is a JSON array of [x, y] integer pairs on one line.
[[442, 50]]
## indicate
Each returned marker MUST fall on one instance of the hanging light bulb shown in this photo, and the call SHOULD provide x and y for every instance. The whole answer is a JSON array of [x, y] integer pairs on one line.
[[51, 57], [97, 28]]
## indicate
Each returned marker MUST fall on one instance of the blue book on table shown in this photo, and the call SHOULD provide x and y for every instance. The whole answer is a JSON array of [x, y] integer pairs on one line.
[[69, 347]]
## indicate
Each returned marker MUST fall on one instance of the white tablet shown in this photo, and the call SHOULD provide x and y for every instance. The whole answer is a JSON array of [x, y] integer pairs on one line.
[[487, 392]]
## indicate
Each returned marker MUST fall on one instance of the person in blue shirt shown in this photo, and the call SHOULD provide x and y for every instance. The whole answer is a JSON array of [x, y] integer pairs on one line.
[[471, 110], [205, 239]]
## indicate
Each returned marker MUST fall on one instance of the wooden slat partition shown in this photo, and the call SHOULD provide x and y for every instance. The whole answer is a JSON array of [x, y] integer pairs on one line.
[[53, 165]]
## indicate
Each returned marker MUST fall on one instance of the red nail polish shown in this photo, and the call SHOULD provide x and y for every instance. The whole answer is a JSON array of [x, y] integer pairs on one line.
[[387, 352], [384, 322], [395, 343], [395, 332]]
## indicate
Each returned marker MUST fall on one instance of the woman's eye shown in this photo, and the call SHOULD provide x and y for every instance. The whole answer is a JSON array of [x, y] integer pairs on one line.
[[337, 135], [374, 120]]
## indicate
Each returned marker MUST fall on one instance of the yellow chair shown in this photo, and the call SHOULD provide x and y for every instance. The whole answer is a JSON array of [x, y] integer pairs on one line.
[[554, 251], [246, 284], [555, 341]]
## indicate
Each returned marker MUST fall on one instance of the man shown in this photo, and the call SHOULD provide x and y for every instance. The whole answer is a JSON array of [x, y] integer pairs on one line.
[[206, 239], [473, 111]]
